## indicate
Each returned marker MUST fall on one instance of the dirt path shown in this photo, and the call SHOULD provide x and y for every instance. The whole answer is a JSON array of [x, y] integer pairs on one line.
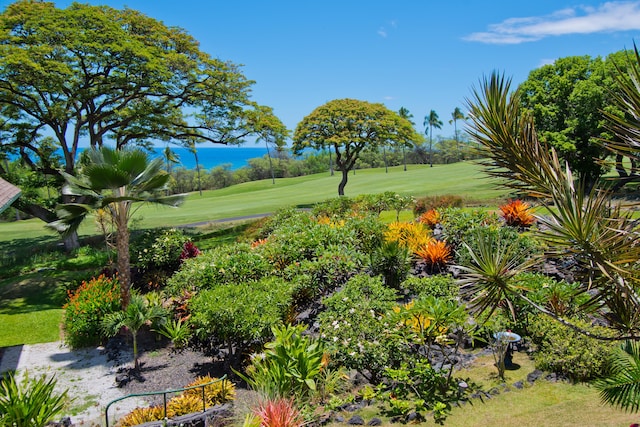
[[87, 374]]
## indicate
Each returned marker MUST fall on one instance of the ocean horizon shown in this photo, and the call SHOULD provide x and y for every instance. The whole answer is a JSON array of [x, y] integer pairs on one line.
[[211, 157]]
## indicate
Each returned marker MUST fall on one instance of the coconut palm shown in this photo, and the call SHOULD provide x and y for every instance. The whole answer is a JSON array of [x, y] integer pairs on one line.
[[191, 146], [432, 121], [115, 180], [455, 116], [405, 114], [170, 158], [138, 313]]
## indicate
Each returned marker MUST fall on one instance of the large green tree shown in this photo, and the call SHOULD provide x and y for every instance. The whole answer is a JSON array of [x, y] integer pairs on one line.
[[567, 100], [349, 126], [114, 180], [94, 75], [431, 121]]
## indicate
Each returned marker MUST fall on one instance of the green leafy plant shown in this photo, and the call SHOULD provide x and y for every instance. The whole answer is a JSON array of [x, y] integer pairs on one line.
[[137, 314], [419, 388], [87, 307], [31, 403], [289, 366], [240, 315], [356, 329], [565, 351], [177, 330], [440, 286], [225, 264]]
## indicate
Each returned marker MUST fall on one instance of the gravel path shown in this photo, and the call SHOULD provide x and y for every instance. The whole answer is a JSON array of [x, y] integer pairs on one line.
[[88, 374]]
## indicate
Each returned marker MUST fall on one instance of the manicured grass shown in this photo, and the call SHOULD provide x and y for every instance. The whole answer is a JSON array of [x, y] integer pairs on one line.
[[259, 197], [30, 327]]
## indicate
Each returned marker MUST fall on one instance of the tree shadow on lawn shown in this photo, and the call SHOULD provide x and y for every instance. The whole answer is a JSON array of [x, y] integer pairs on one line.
[[35, 291]]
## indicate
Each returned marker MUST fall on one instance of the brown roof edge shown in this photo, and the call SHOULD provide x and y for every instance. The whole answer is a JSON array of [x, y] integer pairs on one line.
[[8, 194]]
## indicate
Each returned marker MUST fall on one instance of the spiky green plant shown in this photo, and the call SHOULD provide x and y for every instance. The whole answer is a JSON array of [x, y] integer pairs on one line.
[[31, 403]]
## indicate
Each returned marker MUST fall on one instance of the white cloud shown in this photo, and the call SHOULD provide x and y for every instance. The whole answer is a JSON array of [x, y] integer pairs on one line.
[[608, 17], [389, 98], [382, 32]]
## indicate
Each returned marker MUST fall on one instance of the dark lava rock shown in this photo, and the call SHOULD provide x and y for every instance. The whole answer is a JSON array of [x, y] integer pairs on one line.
[[534, 376], [339, 419], [375, 422], [519, 385], [356, 420]]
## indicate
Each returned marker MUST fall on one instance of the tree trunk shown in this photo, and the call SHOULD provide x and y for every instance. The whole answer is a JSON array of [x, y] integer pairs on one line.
[[122, 243], [343, 182]]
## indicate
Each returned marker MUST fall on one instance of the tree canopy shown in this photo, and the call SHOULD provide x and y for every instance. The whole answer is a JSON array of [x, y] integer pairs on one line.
[[348, 126], [567, 100], [99, 75]]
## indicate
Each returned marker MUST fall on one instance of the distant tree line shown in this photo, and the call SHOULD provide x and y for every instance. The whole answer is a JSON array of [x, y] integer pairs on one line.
[[285, 165]]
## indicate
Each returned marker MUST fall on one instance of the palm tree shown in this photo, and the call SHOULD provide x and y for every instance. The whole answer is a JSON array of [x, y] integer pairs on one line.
[[114, 180], [621, 387], [405, 114], [432, 121], [137, 314], [191, 145], [170, 158], [455, 116]]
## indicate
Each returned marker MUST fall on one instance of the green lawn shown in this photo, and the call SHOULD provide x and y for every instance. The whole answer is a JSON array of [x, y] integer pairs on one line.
[[258, 197]]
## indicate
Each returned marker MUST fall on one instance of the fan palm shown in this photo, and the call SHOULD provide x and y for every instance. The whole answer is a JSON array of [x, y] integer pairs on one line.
[[405, 114], [114, 180]]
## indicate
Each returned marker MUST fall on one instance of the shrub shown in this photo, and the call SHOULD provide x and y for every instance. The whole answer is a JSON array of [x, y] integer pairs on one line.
[[142, 415], [458, 224], [187, 402], [425, 204], [241, 315], [562, 350], [31, 403], [356, 329], [419, 388], [87, 307], [517, 213], [319, 276], [438, 286], [281, 218], [392, 262], [337, 207], [159, 249], [226, 264]]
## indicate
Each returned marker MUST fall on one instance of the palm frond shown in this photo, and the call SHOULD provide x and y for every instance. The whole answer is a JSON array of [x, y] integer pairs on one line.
[[621, 387]]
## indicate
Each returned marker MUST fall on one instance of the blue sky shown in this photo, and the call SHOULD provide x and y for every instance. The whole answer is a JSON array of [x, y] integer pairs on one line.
[[419, 54]]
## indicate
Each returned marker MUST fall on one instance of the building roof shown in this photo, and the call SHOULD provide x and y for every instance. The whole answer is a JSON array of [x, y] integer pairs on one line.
[[8, 194]]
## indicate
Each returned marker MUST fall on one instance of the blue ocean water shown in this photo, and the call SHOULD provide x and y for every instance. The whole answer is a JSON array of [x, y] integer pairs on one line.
[[210, 157]]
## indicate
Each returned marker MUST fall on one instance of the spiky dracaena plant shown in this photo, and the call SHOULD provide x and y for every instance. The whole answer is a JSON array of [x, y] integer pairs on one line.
[[585, 225]]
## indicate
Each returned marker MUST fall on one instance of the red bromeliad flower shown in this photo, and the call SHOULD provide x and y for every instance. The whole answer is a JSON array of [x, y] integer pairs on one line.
[[517, 213]]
